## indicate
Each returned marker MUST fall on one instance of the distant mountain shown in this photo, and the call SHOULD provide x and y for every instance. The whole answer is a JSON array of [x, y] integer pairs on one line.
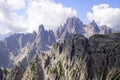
[[77, 58], [22, 47], [72, 26], [105, 30], [44, 39], [91, 29], [12, 46], [3, 36]]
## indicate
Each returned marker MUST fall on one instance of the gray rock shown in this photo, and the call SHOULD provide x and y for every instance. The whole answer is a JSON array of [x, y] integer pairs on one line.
[[44, 39], [22, 47], [91, 29], [16, 73], [78, 58], [1, 74], [105, 30], [34, 70]]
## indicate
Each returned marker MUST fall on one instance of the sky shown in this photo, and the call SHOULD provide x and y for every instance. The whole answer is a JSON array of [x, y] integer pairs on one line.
[[18, 16], [84, 6]]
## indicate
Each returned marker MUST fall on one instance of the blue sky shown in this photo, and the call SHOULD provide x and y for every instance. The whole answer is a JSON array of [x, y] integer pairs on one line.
[[84, 6], [17, 16]]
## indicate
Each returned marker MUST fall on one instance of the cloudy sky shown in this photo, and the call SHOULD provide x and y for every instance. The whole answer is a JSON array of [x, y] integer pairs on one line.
[[26, 15]]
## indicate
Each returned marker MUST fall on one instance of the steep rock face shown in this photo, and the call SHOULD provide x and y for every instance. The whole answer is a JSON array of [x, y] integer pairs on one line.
[[72, 26], [65, 61], [22, 47], [91, 29], [44, 39], [34, 70], [105, 54], [42, 42], [78, 59], [1, 74], [12, 46], [19, 40], [16, 73], [4, 57], [105, 30]]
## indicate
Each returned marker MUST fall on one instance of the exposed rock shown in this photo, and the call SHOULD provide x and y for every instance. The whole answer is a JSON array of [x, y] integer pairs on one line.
[[22, 47], [105, 30], [91, 29], [12, 46], [72, 26], [105, 52], [1, 74], [16, 73], [77, 59], [34, 70], [44, 39], [67, 60]]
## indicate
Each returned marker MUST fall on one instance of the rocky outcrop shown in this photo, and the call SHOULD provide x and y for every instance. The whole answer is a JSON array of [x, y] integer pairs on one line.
[[105, 30], [1, 74], [91, 29], [68, 60], [105, 53], [44, 39], [34, 70], [81, 59], [72, 26], [16, 72], [78, 58], [12, 46], [21, 47]]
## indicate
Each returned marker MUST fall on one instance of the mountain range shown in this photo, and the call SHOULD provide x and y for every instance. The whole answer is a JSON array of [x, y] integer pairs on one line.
[[77, 58], [22, 47], [75, 51]]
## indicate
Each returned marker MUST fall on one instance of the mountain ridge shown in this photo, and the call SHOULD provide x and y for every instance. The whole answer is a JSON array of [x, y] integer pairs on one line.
[[77, 58], [22, 47]]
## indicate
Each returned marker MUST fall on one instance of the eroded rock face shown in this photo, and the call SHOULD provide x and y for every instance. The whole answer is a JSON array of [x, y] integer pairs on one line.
[[1, 74], [23, 46], [12, 46], [16, 73], [78, 59], [44, 39], [105, 54], [67, 60], [82, 59], [34, 71]]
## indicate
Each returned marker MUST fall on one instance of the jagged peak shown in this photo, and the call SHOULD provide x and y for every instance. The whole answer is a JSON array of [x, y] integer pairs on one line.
[[41, 28], [73, 19], [104, 26], [93, 23]]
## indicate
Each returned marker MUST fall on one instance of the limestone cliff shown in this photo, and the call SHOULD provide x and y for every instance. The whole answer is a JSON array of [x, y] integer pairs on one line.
[[78, 58]]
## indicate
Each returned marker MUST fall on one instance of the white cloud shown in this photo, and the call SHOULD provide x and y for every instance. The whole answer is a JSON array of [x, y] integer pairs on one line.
[[9, 20], [16, 4], [103, 14], [47, 13], [36, 12]]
